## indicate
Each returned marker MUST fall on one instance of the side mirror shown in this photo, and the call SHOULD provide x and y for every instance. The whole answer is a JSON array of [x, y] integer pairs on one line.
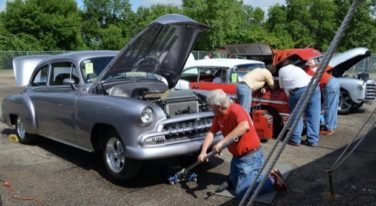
[[69, 81]]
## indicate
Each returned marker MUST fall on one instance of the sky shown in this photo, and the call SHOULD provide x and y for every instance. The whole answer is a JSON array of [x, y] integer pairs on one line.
[[263, 4]]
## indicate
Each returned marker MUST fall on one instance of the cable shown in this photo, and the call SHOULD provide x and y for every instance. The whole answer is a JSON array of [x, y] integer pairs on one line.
[[8, 186], [343, 157], [300, 107]]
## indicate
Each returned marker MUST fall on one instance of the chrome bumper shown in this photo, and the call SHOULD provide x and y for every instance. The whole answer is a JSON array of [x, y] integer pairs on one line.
[[167, 150]]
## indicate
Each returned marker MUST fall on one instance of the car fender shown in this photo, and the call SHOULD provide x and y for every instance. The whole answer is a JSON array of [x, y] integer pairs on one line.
[[20, 105], [119, 113], [355, 87]]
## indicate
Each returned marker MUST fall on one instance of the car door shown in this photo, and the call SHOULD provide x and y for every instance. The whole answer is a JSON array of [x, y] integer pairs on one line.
[[56, 104], [36, 90]]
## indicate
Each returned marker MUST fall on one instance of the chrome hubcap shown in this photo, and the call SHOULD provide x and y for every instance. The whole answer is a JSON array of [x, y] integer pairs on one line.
[[20, 128], [115, 154]]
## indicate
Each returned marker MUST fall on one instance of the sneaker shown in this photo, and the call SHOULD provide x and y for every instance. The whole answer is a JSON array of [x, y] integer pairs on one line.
[[279, 181], [305, 142], [290, 142], [327, 132]]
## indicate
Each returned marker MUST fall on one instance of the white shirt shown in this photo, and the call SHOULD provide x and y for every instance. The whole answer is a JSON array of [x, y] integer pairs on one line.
[[292, 77]]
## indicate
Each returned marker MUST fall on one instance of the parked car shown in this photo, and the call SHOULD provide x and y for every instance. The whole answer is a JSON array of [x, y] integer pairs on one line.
[[200, 75], [120, 103], [224, 73], [354, 91]]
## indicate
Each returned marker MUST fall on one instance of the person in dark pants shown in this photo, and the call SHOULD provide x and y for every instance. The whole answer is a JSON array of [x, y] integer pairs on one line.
[[233, 121]]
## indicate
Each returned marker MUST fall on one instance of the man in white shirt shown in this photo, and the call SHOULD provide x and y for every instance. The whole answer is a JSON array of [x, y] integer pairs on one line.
[[294, 81]]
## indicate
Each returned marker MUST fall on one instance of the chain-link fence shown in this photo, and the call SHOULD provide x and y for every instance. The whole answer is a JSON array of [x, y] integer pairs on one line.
[[6, 57], [366, 65]]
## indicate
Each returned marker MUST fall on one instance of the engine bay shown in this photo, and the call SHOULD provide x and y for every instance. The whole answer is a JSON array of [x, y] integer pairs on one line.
[[173, 102]]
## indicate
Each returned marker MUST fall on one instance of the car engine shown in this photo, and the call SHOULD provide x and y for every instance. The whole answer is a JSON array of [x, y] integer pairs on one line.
[[174, 102], [177, 102]]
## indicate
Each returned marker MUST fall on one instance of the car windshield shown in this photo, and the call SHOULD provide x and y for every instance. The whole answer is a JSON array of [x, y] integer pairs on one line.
[[91, 68]]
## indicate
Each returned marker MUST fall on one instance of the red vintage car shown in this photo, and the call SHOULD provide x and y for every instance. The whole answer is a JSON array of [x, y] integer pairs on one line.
[[210, 74], [224, 73]]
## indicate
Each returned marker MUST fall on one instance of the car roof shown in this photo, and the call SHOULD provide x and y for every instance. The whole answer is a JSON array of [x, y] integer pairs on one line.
[[80, 55], [221, 62]]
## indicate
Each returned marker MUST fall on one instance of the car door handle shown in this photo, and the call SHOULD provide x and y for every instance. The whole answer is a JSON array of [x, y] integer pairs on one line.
[[195, 87]]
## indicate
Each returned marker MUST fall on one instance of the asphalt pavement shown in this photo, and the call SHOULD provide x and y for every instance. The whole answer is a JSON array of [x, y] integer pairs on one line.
[[56, 174]]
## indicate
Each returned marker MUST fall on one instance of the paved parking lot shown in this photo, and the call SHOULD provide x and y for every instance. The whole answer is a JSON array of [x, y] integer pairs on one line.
[[60, 175]]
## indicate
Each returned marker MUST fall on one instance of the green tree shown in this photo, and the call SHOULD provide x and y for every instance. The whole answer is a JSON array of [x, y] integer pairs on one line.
[[361, 31], [144, 16], [225, 18], [47, 24], [104, 23]]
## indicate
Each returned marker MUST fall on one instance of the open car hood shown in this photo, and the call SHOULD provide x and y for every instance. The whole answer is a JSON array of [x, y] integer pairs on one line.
[[161, 48], [256, 51], [340, 63]]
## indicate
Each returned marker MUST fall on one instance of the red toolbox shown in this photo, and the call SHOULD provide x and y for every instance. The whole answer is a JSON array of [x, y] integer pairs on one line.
[[263, 123]]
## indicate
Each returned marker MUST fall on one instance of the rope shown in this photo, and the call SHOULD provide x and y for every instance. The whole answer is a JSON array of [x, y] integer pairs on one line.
[[300, 107], [340, 160]]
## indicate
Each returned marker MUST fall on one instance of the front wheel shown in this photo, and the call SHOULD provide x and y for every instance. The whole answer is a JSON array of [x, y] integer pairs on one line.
[[23, 136], [345, 103], [356, 106], [117, 164]]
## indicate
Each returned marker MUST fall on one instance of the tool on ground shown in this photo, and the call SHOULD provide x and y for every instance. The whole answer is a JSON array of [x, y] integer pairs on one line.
[[185, 175], [222, 187]]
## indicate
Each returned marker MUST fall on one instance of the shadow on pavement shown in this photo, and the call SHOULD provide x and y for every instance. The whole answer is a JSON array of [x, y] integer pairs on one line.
[[156, 171], [353, 182]]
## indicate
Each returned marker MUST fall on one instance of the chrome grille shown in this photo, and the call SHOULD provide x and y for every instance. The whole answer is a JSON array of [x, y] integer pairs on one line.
[[186, 129], [370, 91]]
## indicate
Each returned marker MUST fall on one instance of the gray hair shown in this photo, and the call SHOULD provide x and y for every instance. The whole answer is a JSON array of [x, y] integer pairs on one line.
[[218, 97]]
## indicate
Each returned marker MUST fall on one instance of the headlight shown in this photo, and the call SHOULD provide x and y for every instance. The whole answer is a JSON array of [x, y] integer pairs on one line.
[[147, 116]]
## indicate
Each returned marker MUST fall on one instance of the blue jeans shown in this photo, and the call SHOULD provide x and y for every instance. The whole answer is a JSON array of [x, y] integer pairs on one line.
[[243, 171], [331, 95], [312, 114], [244, 95]]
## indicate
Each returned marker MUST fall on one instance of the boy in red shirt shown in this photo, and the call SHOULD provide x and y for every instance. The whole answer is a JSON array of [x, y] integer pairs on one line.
[[233, 121]]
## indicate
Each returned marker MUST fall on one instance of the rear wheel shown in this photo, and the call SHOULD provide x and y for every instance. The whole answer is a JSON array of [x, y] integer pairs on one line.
[[23, 136], [345, 103], [117, 164]]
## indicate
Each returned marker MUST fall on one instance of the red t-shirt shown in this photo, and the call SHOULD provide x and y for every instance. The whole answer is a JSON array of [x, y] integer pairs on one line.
[[226, 123], [324, 79]]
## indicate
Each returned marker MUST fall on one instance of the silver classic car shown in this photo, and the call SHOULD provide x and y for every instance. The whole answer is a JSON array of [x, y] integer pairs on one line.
[[120, 103], [354, 92]]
